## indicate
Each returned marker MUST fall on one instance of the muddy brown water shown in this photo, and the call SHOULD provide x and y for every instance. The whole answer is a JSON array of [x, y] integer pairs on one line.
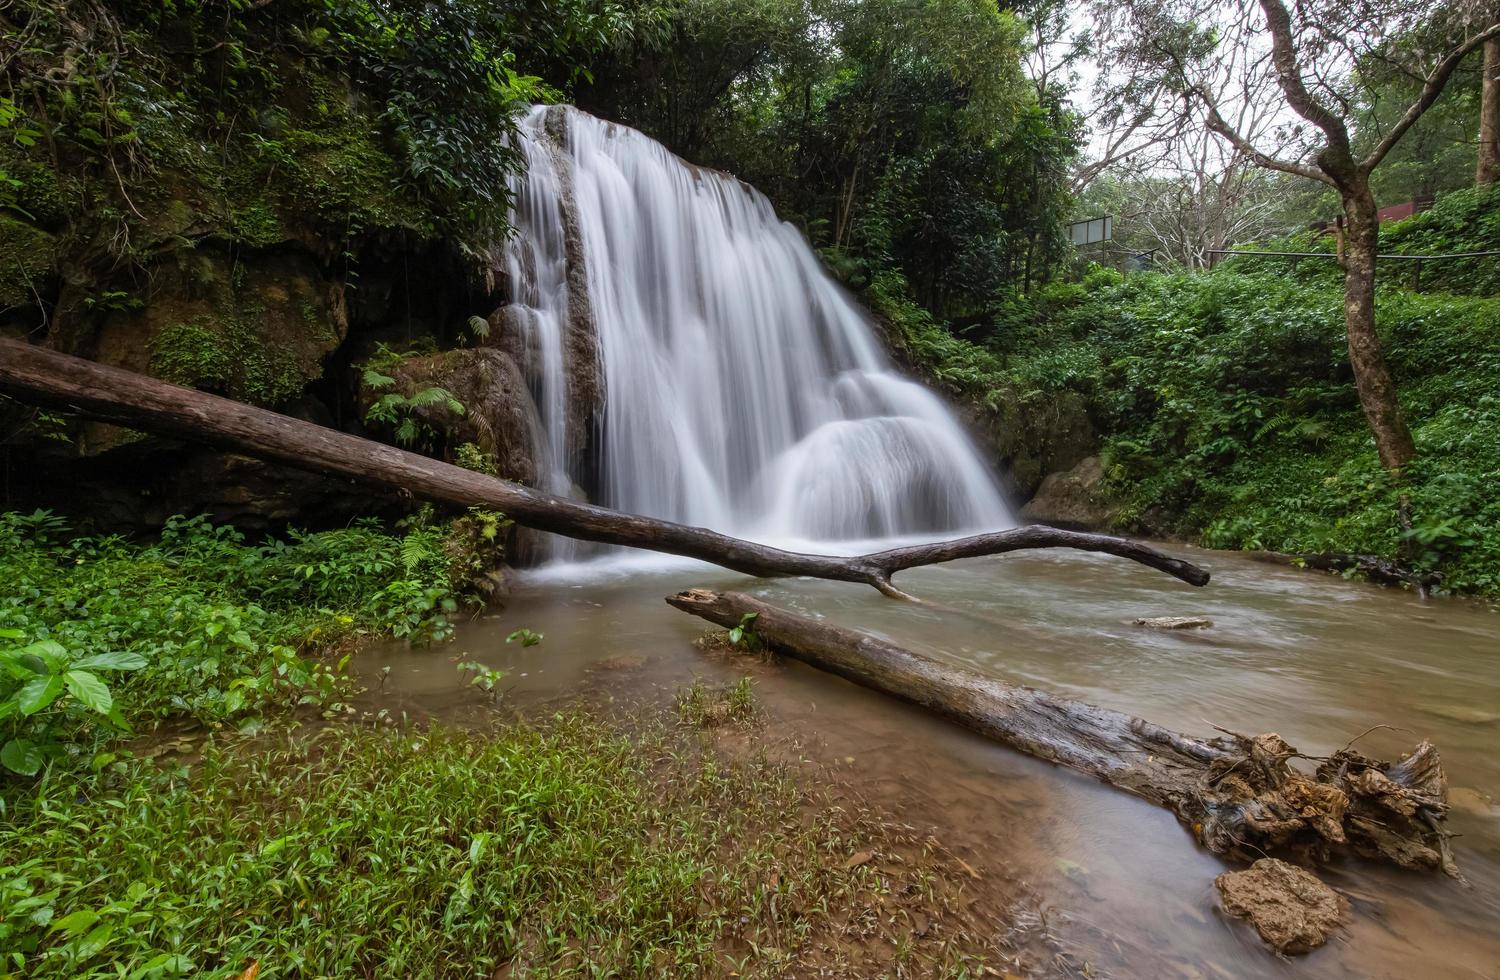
[[1317, 659]]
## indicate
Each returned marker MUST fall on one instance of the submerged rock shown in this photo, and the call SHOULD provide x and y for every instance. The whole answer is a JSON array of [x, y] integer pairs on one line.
[[1461, 713], [1292, 911], [1174, 622]]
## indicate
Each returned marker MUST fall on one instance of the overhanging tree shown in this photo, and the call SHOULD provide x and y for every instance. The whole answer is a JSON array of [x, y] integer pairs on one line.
[[1314, 52]]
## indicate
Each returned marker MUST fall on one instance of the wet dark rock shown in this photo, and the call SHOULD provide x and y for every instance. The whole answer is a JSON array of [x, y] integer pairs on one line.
[[1074, 499], [499, 416], [1035, 436], [1292, 911], [255, 327]]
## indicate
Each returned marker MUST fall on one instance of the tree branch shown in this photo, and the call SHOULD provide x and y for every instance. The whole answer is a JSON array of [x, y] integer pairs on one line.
[[1431, 89], [44, 376], [1289, 73], [1217, 123]]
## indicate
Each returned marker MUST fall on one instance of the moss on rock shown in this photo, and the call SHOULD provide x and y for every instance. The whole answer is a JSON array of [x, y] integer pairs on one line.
[[26, 256]]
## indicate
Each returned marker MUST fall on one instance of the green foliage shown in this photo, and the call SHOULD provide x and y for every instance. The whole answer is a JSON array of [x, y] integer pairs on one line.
[[46, 692], [569, 850], [743, 633], [137, 128], [471, 457], [701, 706], [487, 679], [525, 637], [1232, 418], [1463, 221], [904, 135], [227, 357], [203, 624], [405, 414]]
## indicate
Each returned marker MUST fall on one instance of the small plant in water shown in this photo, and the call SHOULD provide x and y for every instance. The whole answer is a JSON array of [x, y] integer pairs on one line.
[[525, 637], [710, 707], [487, 679], [743, 635]]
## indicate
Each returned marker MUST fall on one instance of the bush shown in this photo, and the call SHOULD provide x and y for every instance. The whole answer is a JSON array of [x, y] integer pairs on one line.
[[202, 624], [1229, 409]]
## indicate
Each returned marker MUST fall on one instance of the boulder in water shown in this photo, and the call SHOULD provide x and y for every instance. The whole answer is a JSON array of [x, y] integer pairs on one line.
[[1292, 911], [1074, 499]]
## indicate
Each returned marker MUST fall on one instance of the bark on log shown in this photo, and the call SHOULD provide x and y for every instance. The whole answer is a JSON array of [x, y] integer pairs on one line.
[[1236, 793], [35, 374]]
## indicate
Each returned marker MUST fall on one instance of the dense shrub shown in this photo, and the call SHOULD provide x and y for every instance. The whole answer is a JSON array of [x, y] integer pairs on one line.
[[205, 626], [1228, 408], [1232, 416]]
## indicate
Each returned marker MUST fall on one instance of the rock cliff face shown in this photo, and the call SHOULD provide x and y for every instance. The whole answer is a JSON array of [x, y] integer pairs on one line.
[[581, 338], [280, 327]]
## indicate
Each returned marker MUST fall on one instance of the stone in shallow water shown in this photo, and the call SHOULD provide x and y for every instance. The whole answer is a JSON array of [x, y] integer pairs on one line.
[[1293, 911], [1459, 712], [1174, 622]]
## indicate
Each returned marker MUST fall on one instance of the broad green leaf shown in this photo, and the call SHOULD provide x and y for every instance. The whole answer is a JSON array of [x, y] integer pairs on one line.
[[38, 692], [117, 660], [12, 634], [164, 964], [75, 923], [22, 756], [89, 690], [50, 652], [90, 945]]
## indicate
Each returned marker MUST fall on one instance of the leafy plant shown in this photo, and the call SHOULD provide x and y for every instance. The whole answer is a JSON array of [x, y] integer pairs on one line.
[[487, 679], [203, 625], [404, 413], [743, 634], [50, 700], [525, 637]]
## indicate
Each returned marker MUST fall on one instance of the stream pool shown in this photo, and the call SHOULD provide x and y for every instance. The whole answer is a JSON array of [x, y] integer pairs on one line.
[[1310, 656]]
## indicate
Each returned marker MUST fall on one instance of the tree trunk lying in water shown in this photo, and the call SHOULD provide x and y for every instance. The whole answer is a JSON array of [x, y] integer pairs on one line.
[[1237, 793], [32, 373]]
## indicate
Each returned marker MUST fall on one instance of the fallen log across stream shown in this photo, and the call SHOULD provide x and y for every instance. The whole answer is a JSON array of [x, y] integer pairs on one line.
[[35, 374], [1240, 795]]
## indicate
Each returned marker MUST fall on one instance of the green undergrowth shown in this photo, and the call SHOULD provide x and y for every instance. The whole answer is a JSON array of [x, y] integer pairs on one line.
[[204, 626], [1227, 407], [563, 850]]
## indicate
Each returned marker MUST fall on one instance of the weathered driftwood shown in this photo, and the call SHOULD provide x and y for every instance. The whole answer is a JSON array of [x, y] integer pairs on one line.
[[1237, 793], [32, 373]]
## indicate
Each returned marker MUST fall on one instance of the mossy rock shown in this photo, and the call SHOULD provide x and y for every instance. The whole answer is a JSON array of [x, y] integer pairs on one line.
[[26, 256], [256, 327], [1038, 433]]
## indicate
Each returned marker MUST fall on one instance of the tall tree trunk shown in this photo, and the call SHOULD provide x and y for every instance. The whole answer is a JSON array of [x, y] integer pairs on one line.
[[1488, 171], [1372, 379]]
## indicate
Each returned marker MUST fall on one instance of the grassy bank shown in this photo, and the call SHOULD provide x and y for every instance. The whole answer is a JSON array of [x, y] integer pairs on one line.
[[1228, 410], [154, 828], [566, 850]]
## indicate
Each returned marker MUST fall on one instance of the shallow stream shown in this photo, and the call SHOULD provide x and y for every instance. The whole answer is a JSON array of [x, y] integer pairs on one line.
[[1317, 659]]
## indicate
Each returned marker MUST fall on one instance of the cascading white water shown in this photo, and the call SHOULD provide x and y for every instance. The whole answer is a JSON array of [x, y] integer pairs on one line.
[[744, 391]]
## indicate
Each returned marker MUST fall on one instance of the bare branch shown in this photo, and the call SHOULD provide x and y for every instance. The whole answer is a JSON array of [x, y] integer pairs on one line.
[[1217, 123]]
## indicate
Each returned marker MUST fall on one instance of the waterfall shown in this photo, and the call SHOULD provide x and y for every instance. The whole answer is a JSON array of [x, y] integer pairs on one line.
[[690, 359]]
